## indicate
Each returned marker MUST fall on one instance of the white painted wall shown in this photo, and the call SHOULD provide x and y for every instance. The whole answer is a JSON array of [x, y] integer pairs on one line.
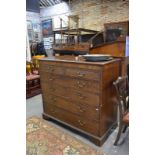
[[36, 23], [33, 16], [56, 12]]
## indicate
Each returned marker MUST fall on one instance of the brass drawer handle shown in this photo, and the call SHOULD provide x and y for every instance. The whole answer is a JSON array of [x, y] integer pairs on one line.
[[51, 79], [80, 84], [80, 74], [81, 109], [81, 123], [80, 96], [97, 109]]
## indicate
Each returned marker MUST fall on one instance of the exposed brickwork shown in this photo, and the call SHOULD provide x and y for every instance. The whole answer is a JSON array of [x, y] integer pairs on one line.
[[94, 13]]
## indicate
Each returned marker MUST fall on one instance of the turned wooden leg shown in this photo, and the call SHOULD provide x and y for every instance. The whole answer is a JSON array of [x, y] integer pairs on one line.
[[118, 134]]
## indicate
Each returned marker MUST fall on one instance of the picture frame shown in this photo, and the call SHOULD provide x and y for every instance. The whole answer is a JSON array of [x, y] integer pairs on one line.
[[47, 28]]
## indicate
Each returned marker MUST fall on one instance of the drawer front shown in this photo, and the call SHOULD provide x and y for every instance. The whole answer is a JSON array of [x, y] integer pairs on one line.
[[74, 120], [74, 83], [84, 97], [77, 72], [83, 73], [91, 113], [70, 94], [50, 89], [51, 69]]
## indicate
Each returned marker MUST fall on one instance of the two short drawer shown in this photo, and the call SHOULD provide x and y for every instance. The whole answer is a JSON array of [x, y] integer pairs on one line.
[[71, 72]]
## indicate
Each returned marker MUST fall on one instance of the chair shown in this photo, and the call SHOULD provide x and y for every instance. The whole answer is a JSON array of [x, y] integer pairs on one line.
[[32, 80], [122, 89]]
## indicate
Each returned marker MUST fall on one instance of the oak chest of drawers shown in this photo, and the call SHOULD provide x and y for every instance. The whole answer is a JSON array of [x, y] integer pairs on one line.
[[79, 94]]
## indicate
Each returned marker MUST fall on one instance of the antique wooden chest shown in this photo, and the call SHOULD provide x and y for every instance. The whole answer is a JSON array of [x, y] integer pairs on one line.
[[80, 94]]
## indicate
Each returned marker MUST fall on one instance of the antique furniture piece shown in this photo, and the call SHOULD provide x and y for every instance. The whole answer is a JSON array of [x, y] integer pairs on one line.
[[122, 26], [114, 43], [115, 49], [80, 94], [32, 85], [32, 80], [72, 41], [113, 32], [122, 89]]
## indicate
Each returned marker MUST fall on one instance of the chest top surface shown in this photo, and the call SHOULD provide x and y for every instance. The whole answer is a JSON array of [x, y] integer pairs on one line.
[[76, 60]]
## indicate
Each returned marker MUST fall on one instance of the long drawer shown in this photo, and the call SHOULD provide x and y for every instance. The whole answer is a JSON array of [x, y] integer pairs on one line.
[[72, 119], [71, 94], [71, 72], [74, 83], [81, 73], [92, 113]]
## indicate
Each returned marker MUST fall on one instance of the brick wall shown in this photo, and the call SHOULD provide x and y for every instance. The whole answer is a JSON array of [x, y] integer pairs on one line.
[[94, 13]]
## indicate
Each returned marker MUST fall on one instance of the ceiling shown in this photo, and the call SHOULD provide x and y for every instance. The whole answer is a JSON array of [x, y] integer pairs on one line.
[[47, 3]]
